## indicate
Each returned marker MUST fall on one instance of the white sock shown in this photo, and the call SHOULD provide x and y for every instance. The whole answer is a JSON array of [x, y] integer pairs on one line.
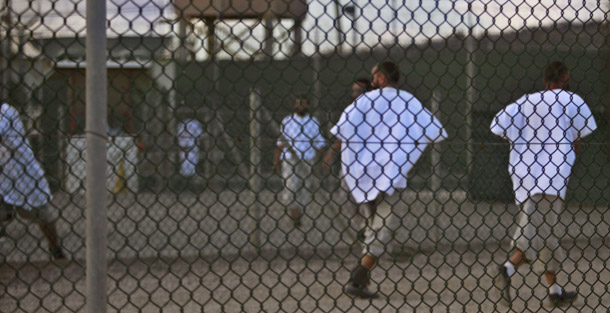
[[510, 269], [555, 289]]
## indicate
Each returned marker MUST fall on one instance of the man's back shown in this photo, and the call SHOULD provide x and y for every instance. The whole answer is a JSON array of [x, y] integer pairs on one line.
[[384, 132], [22, 182], [542, 128], [552, 116]]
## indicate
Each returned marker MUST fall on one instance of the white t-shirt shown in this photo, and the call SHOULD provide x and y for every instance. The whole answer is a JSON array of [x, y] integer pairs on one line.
[[542, 128], [22, 181], [383, 133], [300, 135]]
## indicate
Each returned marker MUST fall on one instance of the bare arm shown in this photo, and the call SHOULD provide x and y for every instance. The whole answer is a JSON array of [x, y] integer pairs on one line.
[[276, 157], [577, 145], [330, 155]]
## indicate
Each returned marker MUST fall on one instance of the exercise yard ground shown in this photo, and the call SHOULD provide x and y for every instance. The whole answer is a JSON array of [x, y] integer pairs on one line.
[[165, 256], [450, 279]]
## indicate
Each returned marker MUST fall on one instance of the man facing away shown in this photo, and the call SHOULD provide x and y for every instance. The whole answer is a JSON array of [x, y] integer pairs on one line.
[[382, 134], [23, 187], [189, 134], [298, 144], [542, 129]]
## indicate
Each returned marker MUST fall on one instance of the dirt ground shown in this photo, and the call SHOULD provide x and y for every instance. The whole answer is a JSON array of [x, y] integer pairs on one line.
[[208, 253]]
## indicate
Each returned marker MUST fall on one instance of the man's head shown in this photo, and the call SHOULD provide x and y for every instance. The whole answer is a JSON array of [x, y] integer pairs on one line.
[[359, 87], [556, 76], [301, 105], [385, 74]]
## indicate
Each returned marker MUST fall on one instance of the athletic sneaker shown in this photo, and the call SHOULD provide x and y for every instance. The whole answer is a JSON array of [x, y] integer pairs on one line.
[[503, 283], [363, 293], [566, 297]]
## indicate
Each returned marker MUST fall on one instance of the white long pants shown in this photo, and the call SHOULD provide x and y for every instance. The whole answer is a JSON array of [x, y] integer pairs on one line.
[[382, 222], [188, 161], [535, 236]]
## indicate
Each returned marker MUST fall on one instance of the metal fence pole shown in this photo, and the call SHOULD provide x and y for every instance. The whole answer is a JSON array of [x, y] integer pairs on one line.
[[96, 156], [255, 181], [6, 50], [470, 91], [435, 171]]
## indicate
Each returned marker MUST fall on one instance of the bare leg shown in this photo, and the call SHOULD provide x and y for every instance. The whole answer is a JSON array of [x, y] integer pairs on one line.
[[550, 277], [49, 230], [368, 261], [357, 286], [517, 258]]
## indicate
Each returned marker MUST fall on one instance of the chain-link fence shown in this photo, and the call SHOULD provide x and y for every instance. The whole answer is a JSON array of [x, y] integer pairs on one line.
[[243, 174]]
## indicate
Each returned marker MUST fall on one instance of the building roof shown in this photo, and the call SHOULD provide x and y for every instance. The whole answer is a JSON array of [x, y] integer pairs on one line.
[[122, 47], [240, 9]]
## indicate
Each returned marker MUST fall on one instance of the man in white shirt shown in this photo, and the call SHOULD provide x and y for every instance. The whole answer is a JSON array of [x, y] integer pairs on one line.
[[23, 187], [299, 142], [383, 133], [189, 134], [543, 129]]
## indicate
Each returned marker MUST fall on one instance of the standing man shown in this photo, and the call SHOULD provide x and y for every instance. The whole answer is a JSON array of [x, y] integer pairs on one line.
[[542, 129], [297, 146], [382, 134], [189, 133], [23, 188], [359, 87]]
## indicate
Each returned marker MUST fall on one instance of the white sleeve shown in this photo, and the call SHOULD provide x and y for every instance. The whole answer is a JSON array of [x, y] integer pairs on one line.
[[15, 133], [345, 129], [503, 123], [432, 127], [583, 123]]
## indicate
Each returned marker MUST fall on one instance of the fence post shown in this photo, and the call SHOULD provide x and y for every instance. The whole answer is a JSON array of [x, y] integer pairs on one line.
[[470, 91], [435, 171], [96, 156], [317, 59], [255, 182], [6, 50]]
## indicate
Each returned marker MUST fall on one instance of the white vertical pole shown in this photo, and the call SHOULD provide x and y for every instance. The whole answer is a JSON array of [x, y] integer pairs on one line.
[[435, 171], [255, 134], [316, 71], [470, 91], [255, 181], [435, 181], [340, 33], [96, 156], [6, 50], [394, 23]]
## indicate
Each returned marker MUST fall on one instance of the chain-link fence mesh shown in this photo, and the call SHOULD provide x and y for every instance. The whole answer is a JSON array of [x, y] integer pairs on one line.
[[225, 194]]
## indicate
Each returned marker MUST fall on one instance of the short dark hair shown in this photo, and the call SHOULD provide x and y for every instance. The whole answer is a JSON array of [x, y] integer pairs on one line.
[[390, 70], [302, 96], [555, 71], [365, 82]]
